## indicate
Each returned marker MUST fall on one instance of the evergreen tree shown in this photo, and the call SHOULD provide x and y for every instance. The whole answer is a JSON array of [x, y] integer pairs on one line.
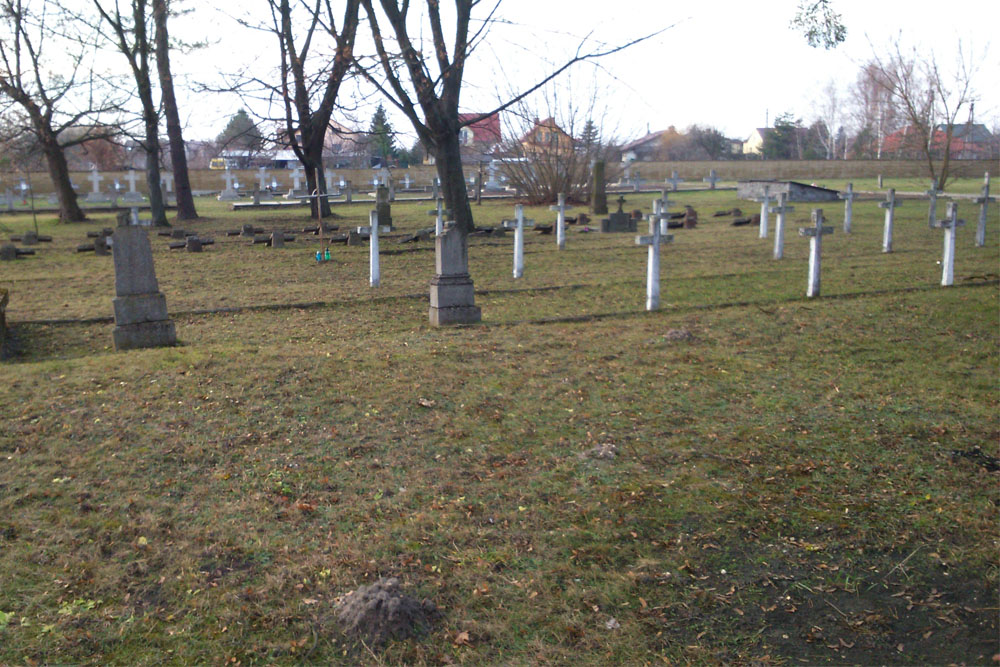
[[383, 141], [240, 134], [590, 138]]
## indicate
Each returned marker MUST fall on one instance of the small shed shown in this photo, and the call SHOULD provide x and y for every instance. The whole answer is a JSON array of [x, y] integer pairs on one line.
[[754, 190]]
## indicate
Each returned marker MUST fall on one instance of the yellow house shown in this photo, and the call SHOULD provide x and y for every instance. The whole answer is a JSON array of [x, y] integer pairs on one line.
[[546, 136], [755, 144]]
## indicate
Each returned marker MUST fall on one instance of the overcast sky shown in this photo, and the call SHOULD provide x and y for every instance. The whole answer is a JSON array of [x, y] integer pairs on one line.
[[730, 64]]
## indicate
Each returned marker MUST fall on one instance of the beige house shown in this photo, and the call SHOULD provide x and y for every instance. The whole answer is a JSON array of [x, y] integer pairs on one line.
[[755, 144]]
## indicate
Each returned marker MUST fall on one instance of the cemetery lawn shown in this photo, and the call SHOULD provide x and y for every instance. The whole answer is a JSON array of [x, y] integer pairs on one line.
[[745, 476]]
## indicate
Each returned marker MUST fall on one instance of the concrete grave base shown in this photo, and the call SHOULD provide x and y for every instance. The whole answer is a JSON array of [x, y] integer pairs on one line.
[[144, 334], [455, 315], [140, 308], [453, 301]]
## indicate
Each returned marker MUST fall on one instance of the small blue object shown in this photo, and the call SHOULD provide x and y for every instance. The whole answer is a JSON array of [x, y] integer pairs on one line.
[[319, 256]]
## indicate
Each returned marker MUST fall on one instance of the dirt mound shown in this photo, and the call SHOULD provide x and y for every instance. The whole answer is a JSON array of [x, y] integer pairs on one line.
[[381, 612]]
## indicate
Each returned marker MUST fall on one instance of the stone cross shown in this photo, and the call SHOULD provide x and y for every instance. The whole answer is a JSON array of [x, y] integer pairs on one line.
[[660, 207], [653, 242], [889, 205], [932, 206], [95, 179], [407, 181], [673, 180], [375, 269], [329, 177], [229, 194], [440, 213], [297, 179], [167, 181], [262, 178], [560, 210], [346, 185], [518, 223], [711, 179], [848, 198], [765, 208], [132, 177], [984, 202], [437, 187], [815, 234], [949, 225], [782, 209]]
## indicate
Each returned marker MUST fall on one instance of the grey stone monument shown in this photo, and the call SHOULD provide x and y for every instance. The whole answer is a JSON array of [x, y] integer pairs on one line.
[[141, 318], [383, 207], [598, 189], [452, 292], [618, 221]]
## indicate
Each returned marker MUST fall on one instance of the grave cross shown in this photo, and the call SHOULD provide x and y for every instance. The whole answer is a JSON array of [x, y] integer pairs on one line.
[[518, 224], [132, 177], [932, 194], [653, 242], [95, 179], [673, 180], [949, 225], [984, 202], [848, 198], [407, 181], [167, 181], [560, 209], [889, 205], [437, 187], [815, 234], [297, 179], [782, 209], [660, 207], [262, 178], [765, 208], [372, 230], [440, 212], [711, 179]]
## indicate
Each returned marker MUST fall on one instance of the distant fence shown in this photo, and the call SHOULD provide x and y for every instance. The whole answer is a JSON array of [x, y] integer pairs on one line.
[[692, 172]]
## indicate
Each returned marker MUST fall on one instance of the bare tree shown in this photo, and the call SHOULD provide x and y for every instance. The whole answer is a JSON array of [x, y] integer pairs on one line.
[[925, 95], [873, 113], [828, 113], [129, 32], [52, 101], [178, 155], [308, 81], [429, 99]]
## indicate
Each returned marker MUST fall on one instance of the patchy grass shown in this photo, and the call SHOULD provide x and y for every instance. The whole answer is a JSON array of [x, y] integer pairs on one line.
[[793, 480]]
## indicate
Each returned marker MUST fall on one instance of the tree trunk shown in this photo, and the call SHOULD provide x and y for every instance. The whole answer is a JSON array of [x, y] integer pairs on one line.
[[69, 207], [448, 160], [178, 156], [313, 164]]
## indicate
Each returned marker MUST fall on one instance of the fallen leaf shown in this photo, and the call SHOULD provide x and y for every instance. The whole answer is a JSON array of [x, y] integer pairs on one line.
[[462, 639], [426, 402], [310, 601]]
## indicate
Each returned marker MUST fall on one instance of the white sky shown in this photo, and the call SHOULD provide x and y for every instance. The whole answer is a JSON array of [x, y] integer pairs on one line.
[[727, 63]]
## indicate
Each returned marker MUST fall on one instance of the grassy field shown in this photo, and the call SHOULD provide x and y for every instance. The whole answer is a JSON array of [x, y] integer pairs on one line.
[[745, 476]]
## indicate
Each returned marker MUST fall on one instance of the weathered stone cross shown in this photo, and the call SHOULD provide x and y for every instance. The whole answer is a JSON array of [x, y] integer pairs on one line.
[[848, 198], [949, 225], [711, 179], [372, 230], [932, 205], [561, 209], [673, 180], [440, 212], [782, 209], [765, 208], [984, 202], [815, 234], [653, 242], [518, 224], [889, 205]]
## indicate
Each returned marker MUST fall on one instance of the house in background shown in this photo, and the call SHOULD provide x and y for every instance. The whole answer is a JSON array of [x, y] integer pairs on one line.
[[545, 136], [755, 144], [969, 141], [645, 149]]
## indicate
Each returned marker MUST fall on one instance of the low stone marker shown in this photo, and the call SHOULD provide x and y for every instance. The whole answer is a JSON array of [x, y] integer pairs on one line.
[[560, 210], [619, 221], [890, 204], [452, 293], [950, 225], [984, 201], [848, 198], [518, 224], [815, 234], [782, 209], [141, 318], [653, 242]]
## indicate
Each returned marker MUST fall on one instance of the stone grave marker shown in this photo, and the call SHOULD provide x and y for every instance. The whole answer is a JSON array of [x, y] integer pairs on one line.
[[890, 204], [848, 198], [673, 180], [372, 232], [653, 242], [711, 179], [560, 210], [452, 292], [96, 196], [518, 224], [436, 184], [277, 239], [984, 201], [439, 214], [167, 183], [347, 191], [815, 234], [141, 318], [229, 194], [782, 209], [263, 189], [383, 207], [296, 190], [661, 208], [765, 208], [619, 221], [950, 225], [132, 195], [598, 189], [932, 196]]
